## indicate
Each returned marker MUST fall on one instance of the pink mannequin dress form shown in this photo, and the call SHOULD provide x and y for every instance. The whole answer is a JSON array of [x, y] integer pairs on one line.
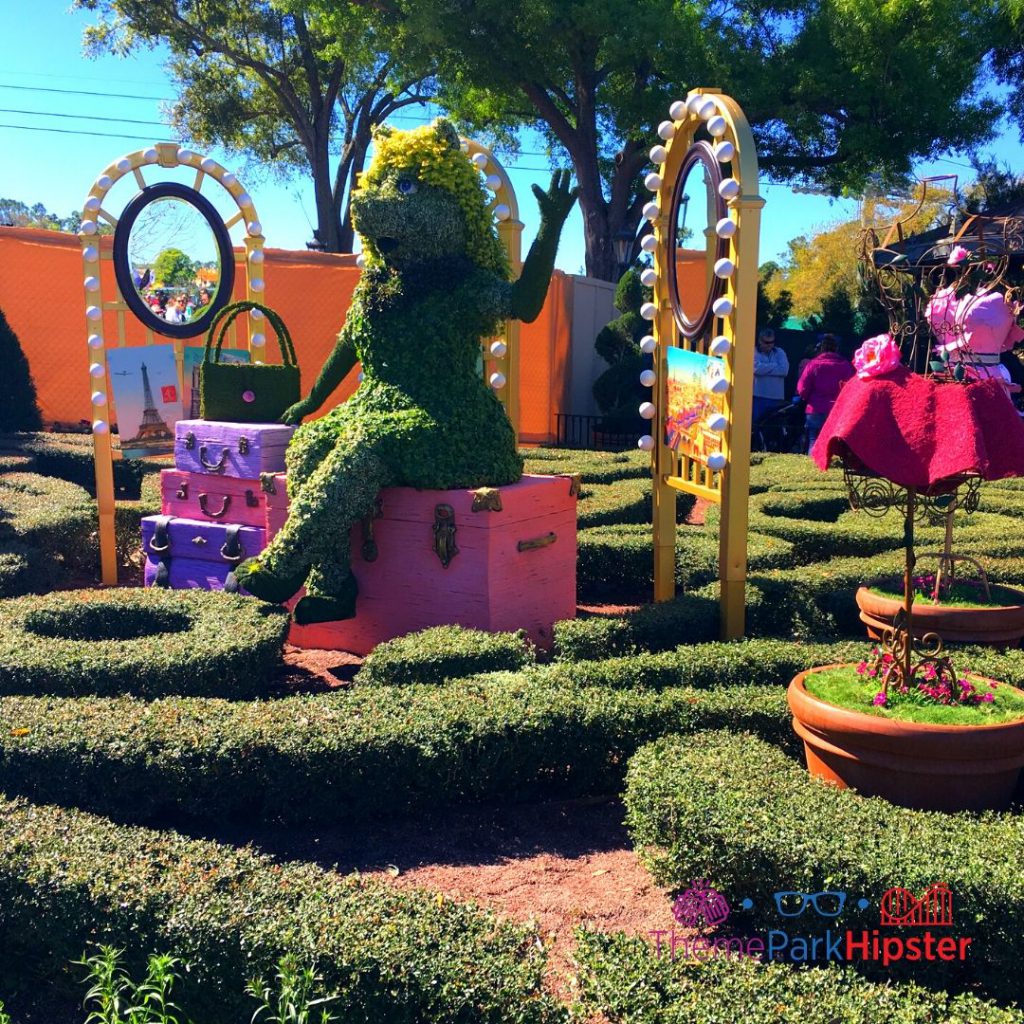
[[975, 331]]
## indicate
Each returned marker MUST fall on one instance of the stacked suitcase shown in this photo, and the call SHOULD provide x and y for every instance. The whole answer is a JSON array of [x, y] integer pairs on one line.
[[213, 503]]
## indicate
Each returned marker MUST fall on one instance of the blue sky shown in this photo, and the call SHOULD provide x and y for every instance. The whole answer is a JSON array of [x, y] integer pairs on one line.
[[45, 103]]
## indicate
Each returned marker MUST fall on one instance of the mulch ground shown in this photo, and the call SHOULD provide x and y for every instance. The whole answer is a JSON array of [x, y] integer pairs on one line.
[[563, 864]]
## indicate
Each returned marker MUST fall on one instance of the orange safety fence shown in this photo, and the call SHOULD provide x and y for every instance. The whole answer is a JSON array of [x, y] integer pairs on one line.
[[43, 296]]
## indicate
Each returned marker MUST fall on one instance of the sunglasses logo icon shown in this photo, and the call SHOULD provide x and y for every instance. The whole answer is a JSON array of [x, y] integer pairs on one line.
[[829, 903]]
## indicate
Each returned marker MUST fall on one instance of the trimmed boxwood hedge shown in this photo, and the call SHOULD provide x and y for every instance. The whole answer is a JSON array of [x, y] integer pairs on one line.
[[748, 818], [444, 652], [593, 467], [147, 642], [624, 501], [52, 515], [25, 570], [349, 756], [68, 879], [70, 457], [623, 980], [772, 472], [621, 558]]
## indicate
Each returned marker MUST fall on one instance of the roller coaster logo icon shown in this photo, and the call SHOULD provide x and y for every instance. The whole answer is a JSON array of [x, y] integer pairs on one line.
[[901, 907]]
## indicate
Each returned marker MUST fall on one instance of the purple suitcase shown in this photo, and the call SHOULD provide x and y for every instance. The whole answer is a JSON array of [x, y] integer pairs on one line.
[[184, 553], [230, 449]]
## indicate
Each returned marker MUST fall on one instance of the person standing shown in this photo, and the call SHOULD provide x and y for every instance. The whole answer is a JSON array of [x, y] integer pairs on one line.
[[770, 369], [819, 385]]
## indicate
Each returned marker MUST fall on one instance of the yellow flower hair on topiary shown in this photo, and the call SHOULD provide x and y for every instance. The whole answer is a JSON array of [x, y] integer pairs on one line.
[[433, 153]]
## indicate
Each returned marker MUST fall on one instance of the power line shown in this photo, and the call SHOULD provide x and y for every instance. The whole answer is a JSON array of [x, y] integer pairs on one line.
[[83, 92], [70, 131], [81, 117]]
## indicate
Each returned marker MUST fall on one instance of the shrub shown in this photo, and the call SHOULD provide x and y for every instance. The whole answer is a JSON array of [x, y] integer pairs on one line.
[[147, 642], [623, 980], [70, 457], [444, 652], [25, 570], [67, 878], [128, 516], [741, 814], [51, 515], [18, 408], [772, 472], [593, 467], [620, 559], [353, 756], [624, 501]]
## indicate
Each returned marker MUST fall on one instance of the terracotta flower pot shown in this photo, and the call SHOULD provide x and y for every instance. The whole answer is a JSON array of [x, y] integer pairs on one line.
[[929, 767], [996, 624]]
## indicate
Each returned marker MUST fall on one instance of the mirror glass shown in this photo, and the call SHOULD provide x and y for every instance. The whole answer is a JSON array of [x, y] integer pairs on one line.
[[696, 209], [174, 260]]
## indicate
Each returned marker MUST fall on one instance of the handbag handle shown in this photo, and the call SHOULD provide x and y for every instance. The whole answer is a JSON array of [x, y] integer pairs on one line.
[[226, 317]]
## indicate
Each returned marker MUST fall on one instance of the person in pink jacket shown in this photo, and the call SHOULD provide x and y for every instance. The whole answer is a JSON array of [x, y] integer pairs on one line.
[[819, 385]]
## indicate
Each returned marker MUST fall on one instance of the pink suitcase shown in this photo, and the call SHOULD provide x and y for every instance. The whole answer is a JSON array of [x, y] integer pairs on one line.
[[494, 559], [224, 499]]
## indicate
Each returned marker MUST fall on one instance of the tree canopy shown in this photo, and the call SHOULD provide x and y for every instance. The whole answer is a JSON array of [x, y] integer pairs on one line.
[[173, 269], [836, 90], [273, 82]]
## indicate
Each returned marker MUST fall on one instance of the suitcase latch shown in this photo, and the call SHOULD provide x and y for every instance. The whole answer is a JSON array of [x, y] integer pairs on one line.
[[487, 499], [182, 494], [243, 445], [444, 534]]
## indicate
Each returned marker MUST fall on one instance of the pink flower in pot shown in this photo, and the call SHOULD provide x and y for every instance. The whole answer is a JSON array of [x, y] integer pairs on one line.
[[876, 356]]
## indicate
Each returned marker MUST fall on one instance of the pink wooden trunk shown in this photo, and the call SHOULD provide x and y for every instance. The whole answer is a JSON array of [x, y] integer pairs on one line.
[[208, 498], [515, 567], [220, 449]]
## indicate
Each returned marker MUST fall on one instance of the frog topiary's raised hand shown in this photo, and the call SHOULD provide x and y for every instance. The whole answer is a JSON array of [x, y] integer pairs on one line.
[[436, 283]]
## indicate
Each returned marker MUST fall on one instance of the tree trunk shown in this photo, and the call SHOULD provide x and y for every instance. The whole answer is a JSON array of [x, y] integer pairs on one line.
[[360, 146], [328, 221]]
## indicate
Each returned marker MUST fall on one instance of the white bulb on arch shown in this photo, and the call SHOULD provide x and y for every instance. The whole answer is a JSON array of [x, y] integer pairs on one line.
[[729, 188], [724, 267], [725, 228], [658, 155], [497, 381], [649, 277], [648, 344], [653, 181], [646, 443], [648, 378], [479, 160], [722, 306], [649, 243], [677, 111], [652, 211], [666, 130], [647, 410], [499, 349], [648, 310], [717, 461], [720, 345], [717, 126]]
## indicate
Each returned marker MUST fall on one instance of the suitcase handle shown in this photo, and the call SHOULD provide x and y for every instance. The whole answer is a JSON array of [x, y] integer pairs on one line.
[[225, 505], [214, 467], [537, 542]]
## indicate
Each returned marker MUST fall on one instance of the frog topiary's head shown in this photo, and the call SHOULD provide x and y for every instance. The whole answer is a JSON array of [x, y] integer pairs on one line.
[[422, 200]]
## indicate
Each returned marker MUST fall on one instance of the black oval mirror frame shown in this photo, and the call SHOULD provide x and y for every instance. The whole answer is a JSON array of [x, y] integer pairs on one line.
[[123, 269], [698, 153]]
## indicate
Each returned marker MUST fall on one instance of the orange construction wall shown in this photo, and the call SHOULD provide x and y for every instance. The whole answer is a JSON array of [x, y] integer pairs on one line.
[[43, 297]]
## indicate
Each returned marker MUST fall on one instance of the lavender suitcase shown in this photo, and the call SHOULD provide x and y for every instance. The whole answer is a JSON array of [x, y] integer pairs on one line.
[[230, 449], [184, 553]]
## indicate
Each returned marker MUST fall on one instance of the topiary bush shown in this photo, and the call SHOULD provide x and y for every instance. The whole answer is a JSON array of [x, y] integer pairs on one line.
[[51, 515], [25, 570], [68, 879], [740, 813], [147, 642], [444, 652], [365, 754], [622, 979], [619, 560], [593, 467], [624, 501], [18, 407], [70, 457]]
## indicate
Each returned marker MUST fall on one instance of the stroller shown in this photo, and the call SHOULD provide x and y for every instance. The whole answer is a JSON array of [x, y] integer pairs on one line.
[[781, 430]]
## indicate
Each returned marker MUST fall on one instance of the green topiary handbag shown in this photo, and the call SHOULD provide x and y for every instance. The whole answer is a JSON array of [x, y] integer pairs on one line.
[[243, 392]]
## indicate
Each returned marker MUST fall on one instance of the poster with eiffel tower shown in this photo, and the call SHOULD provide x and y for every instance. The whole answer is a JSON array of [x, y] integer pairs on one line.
[[147, 398]]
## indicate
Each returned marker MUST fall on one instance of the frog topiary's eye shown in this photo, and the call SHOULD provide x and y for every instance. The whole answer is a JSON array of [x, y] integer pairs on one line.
[[406, 186]]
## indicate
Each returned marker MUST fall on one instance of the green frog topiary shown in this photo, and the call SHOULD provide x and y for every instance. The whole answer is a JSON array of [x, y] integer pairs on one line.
[[435, 284]]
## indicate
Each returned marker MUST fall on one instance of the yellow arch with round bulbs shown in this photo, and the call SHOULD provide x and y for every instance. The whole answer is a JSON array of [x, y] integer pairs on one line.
[[731, 336], [166, 155]]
